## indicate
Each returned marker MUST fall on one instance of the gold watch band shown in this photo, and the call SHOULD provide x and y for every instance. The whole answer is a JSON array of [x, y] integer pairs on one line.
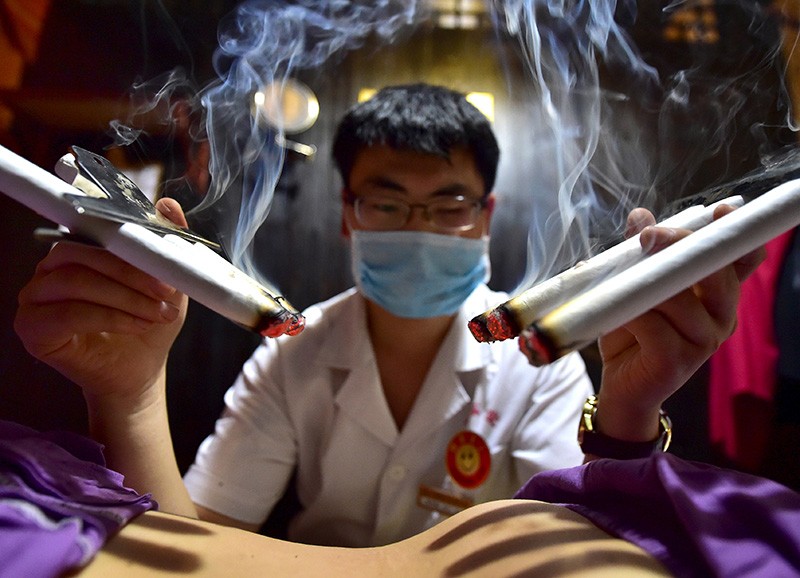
[[598, 444]]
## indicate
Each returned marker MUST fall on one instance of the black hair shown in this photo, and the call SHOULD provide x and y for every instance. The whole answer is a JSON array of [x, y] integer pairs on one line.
[[417, 117]]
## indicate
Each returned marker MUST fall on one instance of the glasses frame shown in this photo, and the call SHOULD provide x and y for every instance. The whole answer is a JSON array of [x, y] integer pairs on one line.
[[352, 199]]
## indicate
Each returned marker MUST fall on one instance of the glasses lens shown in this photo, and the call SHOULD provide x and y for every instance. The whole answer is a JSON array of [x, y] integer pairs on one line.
[[456, 213], [447, 213], [381, 212]]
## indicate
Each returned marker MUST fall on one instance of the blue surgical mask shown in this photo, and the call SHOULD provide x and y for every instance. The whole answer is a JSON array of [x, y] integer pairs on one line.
[[417, 274]]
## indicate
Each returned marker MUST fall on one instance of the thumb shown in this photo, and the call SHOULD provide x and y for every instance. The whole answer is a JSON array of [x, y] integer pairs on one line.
[[172, 210]]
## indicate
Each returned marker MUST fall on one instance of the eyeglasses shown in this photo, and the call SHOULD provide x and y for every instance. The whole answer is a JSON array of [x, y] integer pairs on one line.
[[448, 213]]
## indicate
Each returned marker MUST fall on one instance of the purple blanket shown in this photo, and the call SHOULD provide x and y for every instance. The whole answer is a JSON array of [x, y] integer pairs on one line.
[[58, 502], [697, 519]]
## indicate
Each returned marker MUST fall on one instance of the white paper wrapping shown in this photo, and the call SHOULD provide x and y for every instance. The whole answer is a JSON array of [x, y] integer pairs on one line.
[[202, 275], [547, 295], [662, 275]]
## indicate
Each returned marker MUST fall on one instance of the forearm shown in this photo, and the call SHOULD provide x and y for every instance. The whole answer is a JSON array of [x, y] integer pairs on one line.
[[135, 432]]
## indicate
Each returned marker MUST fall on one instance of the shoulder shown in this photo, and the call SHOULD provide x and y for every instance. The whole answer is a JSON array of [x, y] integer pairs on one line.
[[330, 309], [324, 321], [322, 316]]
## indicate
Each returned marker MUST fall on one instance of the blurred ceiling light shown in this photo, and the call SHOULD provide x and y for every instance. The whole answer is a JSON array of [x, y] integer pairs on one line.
[[484, 102], [366, 94], [290, 105], [693, 23], [462, 21], [459, 14]]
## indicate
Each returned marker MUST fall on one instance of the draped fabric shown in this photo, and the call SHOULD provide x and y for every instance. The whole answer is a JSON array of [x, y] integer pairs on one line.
[[58, 502], [697, 519]]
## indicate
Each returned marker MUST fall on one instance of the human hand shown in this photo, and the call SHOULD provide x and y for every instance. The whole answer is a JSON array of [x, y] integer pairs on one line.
[[99, 321], [648, 359]]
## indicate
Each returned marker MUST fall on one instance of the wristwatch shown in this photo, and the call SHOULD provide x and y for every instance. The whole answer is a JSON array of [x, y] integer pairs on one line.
[[598, 444]]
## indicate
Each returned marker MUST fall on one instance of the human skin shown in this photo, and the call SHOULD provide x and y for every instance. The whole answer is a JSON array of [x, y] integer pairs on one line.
[[502, 538]]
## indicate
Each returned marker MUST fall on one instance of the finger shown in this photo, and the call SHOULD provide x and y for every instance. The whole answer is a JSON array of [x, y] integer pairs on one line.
[[173, 211], [68, 254], [695, 320], [722, 210], [638, 219], [76, 283], [47, 329], [719, 293], [704, 315], [654, 238], [746, 265], [651, 351]]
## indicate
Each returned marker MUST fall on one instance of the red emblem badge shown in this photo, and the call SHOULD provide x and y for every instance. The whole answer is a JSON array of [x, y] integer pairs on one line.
[[468, 459]]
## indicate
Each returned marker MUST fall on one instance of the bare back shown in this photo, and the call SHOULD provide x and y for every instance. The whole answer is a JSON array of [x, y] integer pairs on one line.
[[503, 538]]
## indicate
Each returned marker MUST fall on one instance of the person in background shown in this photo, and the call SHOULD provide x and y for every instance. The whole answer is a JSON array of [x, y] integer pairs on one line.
[[754, 377], [384, 410]]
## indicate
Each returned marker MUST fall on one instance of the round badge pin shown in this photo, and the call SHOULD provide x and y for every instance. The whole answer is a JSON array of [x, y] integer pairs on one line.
[[468, 459]]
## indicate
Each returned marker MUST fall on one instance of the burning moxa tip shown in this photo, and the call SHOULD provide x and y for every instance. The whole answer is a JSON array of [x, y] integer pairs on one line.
[[508, 319], [286, 323], [537, 347], [636, 290], [494, 325]]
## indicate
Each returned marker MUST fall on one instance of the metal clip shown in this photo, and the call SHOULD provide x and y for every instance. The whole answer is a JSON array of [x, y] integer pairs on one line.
[[112, 195]]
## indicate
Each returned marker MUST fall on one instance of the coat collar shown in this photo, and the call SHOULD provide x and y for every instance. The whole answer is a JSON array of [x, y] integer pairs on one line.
[[346, 343], [346, 352]]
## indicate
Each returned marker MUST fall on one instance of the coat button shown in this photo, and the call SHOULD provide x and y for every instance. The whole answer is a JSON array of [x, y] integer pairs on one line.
[[397, 472]]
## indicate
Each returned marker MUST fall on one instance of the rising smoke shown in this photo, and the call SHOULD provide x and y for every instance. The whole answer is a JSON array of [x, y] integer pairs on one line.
[[692, 100], [601, 164]]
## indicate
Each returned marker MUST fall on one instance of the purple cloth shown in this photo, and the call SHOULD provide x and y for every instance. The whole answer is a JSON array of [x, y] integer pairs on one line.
[[697, 519], [58, 501]]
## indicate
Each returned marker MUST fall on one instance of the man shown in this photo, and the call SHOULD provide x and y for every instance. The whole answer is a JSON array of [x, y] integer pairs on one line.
[[366, 401]]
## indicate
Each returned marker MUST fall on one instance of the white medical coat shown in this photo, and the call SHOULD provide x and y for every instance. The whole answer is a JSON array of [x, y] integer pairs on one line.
[[314, 402]]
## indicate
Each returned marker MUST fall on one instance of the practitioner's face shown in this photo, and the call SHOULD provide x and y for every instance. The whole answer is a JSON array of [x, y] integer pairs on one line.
[[445, 195]]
